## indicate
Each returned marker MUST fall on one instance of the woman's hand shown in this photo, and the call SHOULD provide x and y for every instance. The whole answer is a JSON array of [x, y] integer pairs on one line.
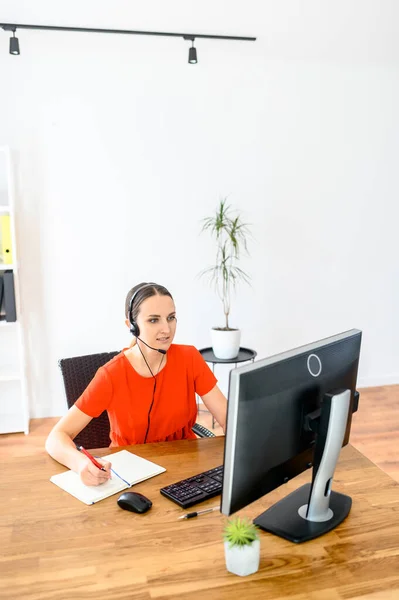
[[92, 475]]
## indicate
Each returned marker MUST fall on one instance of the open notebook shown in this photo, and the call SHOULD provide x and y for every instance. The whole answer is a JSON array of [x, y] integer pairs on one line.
[[127, 469]]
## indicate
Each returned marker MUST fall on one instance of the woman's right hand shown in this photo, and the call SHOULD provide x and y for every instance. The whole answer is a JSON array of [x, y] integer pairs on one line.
[[92, 475]]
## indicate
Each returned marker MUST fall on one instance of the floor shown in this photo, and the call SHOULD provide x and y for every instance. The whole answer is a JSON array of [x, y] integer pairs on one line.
[[375, 430]]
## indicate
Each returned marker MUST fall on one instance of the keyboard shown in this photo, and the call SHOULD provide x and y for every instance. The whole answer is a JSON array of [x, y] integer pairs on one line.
[[202, 431], [195, 489]]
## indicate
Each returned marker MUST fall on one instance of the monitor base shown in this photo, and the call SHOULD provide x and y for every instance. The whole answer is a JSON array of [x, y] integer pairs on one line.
[[282, 518]]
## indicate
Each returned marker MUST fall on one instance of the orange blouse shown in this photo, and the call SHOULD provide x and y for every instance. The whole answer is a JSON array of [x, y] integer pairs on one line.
[[127, 396]]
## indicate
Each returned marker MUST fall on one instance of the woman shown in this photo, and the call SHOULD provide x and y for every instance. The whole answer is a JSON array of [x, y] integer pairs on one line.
[[148, 389]]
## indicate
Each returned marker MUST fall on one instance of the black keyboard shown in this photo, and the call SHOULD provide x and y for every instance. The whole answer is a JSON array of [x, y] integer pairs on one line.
[[202, 431], [195, 489]]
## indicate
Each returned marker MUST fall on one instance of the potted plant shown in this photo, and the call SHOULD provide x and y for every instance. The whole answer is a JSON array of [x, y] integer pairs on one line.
[[241, 546], [230, 234]]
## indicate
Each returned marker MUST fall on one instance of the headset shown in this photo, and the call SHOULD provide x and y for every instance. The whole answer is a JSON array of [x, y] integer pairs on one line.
[[135, 330]]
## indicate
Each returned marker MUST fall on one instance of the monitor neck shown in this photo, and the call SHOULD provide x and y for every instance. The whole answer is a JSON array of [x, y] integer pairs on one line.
[[331, 429]]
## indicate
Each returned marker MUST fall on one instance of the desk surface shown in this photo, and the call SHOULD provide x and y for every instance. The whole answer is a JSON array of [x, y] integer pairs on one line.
[[55, 547]]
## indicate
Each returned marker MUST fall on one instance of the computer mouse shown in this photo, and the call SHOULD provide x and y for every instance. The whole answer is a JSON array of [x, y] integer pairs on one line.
[[134, 502]]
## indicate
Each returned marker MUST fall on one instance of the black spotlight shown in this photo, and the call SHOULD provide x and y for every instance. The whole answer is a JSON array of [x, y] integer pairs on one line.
[[14, 44], [192, 55]]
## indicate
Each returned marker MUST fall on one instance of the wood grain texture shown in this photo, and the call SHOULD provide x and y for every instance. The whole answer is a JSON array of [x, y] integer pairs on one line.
[[375, 427], [55, 547]]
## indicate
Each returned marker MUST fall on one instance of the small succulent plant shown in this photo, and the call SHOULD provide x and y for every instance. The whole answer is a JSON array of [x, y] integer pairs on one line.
[[240, 532]]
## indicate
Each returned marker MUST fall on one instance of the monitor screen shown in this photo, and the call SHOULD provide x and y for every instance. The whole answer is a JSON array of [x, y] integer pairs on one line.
[[269, 438]]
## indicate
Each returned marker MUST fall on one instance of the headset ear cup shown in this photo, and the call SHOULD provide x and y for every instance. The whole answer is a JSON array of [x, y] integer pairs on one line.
[[134, 329]]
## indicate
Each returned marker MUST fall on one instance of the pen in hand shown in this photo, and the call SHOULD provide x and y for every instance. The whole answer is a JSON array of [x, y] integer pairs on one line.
[[90, 457], [199, 512]]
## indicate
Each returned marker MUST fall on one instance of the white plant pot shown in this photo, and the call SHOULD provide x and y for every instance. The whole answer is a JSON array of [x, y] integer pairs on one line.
[[225, 344], [242, 560]]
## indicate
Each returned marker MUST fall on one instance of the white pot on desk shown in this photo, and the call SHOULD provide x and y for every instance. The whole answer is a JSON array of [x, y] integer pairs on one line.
[[242, 560]]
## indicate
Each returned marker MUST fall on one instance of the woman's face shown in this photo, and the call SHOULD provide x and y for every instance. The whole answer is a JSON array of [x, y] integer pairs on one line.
[[157, 321]]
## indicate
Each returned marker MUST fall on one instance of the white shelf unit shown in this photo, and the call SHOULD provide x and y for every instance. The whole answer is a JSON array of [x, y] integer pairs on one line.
[[14, 406]]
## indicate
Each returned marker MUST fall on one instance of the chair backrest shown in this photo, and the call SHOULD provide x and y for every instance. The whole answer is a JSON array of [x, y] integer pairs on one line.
[[77, 372]]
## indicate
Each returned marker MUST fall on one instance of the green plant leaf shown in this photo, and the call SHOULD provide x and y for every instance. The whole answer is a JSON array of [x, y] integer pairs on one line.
[[240, 532], [230, 234]]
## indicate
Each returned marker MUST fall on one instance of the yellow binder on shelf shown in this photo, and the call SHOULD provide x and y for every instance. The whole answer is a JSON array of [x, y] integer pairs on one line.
[[5, 240]]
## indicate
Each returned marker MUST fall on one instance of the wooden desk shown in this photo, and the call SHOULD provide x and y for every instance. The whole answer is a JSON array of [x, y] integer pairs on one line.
[[54, 547]]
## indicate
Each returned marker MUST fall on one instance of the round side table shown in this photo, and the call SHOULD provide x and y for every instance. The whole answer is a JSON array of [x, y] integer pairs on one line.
[[244, 354]]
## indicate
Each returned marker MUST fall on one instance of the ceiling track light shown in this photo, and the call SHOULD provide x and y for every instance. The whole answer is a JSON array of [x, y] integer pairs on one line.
[[14, 44], [192, 56]]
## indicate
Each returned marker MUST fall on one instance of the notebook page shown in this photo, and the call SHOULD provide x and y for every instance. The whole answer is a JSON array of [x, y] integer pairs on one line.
[[71, 483], [131, 467]]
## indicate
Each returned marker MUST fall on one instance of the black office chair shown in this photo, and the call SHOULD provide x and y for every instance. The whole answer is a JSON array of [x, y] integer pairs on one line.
[[77, 372]]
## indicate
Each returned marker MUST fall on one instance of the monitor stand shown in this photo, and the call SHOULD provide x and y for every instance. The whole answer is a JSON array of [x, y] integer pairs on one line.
[[314, 509]]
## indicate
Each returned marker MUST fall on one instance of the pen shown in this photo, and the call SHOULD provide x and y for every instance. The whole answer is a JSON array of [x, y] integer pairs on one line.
[[199, 512], [93, 460]]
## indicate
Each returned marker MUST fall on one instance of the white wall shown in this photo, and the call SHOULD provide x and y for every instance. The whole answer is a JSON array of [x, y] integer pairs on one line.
[[120, 148]]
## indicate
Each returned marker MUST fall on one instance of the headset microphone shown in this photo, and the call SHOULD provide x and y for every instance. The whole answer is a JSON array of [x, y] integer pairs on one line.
[[148, 346]]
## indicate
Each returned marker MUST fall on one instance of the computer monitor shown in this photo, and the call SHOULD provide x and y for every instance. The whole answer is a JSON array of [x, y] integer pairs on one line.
[[288, 413]]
